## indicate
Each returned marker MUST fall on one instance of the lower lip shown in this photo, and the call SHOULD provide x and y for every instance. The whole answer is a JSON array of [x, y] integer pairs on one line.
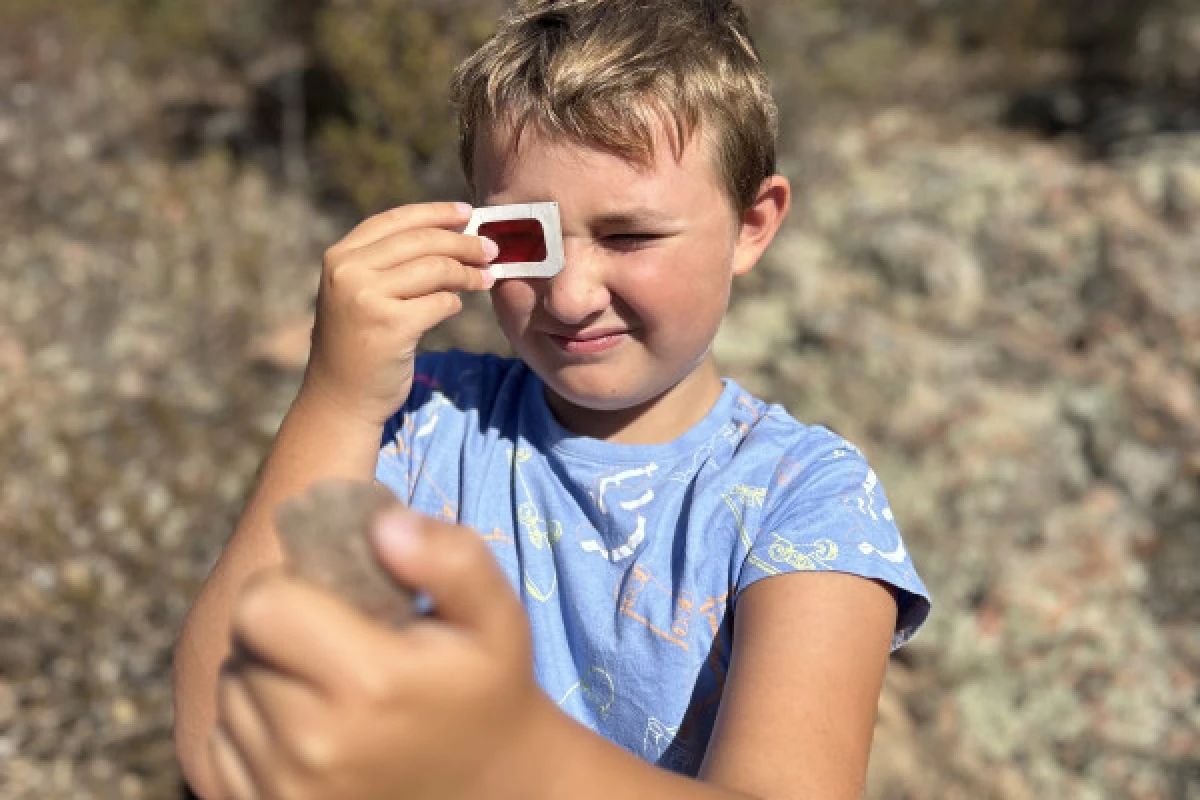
[[587, 347]]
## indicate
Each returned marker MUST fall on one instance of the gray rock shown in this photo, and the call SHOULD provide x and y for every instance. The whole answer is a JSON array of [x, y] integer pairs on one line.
[[917, 258], [325, 535]]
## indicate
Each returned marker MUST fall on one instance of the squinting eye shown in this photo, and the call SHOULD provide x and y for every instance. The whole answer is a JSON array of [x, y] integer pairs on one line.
[[628, 239]]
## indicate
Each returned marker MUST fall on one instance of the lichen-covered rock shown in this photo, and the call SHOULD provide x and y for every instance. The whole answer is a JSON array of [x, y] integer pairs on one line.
[[1010, 332]]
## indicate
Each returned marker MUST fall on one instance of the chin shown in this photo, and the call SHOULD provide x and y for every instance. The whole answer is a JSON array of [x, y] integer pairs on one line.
[[615, 400], [603, 396]]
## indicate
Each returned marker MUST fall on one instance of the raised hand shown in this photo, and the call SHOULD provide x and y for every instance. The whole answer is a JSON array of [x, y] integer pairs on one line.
[[386, 283]]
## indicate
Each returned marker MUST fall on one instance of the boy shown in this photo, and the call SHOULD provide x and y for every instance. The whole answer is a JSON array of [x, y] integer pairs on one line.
[[631, 498]]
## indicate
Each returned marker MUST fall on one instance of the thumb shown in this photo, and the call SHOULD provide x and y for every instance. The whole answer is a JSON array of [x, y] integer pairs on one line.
[[452, 565]]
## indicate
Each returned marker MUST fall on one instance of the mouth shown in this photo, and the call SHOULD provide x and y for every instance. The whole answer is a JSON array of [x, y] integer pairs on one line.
[[588, 342]]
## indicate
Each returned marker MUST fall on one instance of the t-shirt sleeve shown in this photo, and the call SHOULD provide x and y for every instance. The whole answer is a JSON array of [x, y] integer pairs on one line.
[[826, 511], [407, 448], [395, 467]]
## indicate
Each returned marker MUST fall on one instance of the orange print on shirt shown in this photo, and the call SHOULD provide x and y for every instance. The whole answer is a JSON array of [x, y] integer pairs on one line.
[[642, 579]]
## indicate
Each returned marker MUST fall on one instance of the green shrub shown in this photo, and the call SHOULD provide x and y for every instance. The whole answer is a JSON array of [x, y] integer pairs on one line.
[[392, 138], [395, 58]]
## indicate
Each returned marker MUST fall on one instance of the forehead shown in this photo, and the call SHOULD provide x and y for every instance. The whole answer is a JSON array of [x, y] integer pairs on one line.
[[537, 165]]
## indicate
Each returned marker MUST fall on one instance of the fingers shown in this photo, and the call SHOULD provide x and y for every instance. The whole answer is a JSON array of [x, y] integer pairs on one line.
[[405, 246], [232, 773], [432, 274], [242, 733], [451, 216], [307, 634], [453, 565]]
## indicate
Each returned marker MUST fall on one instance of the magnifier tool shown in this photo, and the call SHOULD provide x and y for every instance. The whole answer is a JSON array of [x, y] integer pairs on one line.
[[529, 236]]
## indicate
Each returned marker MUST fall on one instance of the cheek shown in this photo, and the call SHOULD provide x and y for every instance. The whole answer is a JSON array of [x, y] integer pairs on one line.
[[685, 293], [513, 300]]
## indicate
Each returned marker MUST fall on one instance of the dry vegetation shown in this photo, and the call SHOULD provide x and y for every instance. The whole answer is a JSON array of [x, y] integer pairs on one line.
[[1006, 322]]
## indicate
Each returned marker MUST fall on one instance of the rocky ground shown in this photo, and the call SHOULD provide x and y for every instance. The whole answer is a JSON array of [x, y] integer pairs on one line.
[[1011, 333]]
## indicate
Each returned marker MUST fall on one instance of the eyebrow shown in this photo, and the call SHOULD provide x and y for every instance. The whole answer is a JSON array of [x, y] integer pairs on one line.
[[633, 216]]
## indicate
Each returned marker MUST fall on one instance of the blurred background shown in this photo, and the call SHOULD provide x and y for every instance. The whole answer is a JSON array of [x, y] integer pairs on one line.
[[990, 281]]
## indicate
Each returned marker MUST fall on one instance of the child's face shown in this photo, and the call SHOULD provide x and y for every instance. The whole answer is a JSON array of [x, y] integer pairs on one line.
[[649, 257]]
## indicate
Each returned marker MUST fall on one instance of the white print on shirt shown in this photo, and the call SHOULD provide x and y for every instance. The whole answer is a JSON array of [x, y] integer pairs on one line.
[[730, 433], [658, 736], [660, 740], [437, 400], [618, 481], [621, 477], [635, 504], [896, 556], [624, 551], [866, 506]]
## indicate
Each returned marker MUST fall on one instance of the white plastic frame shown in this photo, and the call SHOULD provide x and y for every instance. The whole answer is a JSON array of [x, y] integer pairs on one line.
[[547, 215]]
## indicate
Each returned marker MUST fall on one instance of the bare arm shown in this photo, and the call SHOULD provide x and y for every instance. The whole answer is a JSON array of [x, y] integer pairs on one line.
[[314, 442], [797, 717], [798, 710], [386, 283]]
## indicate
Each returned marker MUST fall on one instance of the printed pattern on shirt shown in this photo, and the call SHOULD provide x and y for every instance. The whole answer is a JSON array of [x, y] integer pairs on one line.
[[630, 561]]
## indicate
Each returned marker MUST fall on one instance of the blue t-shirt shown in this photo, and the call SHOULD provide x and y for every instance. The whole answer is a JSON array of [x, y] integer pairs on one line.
[[629, 558]]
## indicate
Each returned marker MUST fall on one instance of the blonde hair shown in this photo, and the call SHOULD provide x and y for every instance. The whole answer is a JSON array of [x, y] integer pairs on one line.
[[613, 73]]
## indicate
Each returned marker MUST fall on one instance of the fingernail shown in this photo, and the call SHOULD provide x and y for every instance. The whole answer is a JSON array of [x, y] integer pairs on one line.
[[464, 209], [396, 534], [489, 278], [490, 248]]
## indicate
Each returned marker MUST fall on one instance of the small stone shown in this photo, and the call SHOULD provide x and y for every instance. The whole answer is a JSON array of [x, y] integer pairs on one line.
[[131, 786], [43, 578], [130, 384], [106, 671], [325, 537], [110, 518], [921, 259], [101, 769], [62, 774], [156, 502], [76, 578], [170, 532], [1144, 471], [8, 703], [123, 711]]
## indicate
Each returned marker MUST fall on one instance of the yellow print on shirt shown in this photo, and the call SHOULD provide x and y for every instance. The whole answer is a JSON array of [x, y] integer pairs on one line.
[[739, 499], [598, 691], [541, 533], [806, 557]]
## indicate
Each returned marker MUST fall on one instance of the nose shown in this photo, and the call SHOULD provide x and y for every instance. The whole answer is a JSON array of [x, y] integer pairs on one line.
[[579, 292]]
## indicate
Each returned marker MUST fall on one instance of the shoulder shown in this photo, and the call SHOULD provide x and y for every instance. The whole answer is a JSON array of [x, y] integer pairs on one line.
[[824, 509], [798, 459], [460, 376], [478, 391]]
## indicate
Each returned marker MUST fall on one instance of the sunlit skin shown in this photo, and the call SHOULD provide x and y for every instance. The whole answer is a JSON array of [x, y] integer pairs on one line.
[[319, 702], [622, 335]]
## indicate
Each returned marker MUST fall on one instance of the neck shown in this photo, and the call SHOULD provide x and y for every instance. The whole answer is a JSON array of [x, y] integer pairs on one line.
[[658, 420]]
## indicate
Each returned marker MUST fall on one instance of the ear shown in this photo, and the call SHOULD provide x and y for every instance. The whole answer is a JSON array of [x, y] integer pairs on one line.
[[760, 222]]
